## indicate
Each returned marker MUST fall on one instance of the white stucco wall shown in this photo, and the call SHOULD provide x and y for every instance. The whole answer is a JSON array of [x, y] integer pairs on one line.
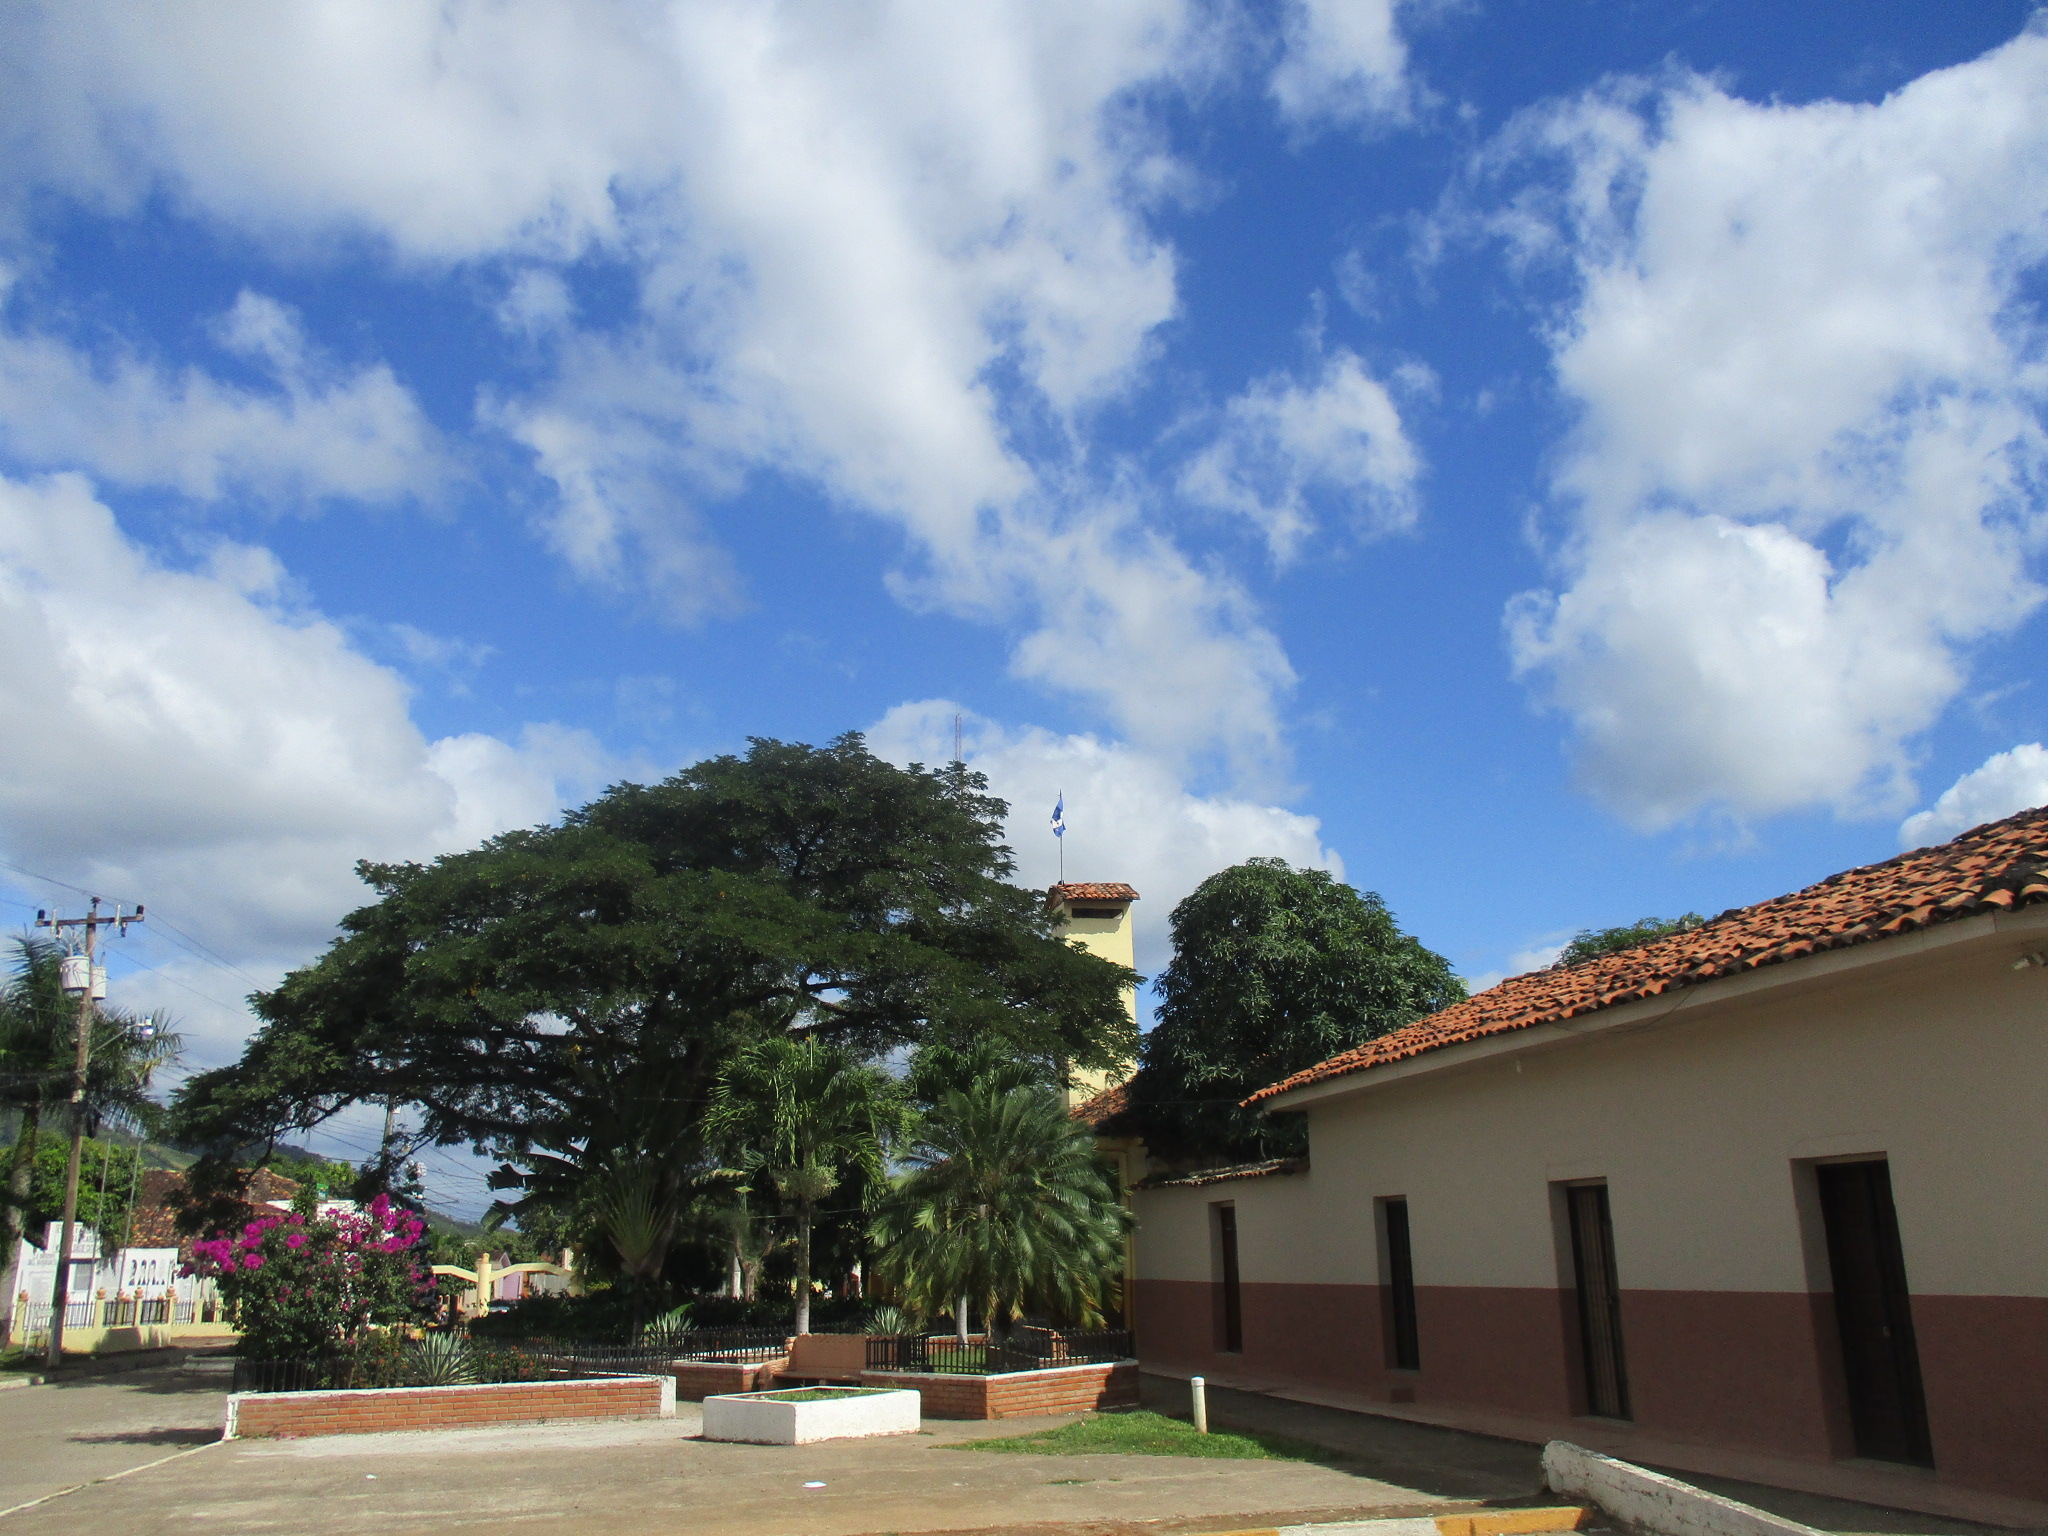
[[1935, 1056]]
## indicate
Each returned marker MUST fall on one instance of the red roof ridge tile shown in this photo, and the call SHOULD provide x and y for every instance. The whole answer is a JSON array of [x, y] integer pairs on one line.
[[2001, 865], [1260, 1170], [1090, 890]]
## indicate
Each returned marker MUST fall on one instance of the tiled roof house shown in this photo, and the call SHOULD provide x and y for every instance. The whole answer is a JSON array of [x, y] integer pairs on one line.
[[1766, 1199], [1999, 867]]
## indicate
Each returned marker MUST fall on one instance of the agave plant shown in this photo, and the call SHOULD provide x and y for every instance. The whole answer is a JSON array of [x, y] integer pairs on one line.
[[440, 1360], [668, 1330], [891, 1323]]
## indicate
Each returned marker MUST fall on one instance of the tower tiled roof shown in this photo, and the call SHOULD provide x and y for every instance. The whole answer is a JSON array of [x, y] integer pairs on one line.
[[1091, 890], [2000, 866]]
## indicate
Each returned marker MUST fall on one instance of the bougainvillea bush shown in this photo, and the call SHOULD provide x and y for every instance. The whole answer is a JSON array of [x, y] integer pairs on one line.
[[301, 1285]]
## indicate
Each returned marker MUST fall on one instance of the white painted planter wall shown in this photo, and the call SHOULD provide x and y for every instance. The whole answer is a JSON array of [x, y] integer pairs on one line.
[[1652, 1502], [757, 1419]]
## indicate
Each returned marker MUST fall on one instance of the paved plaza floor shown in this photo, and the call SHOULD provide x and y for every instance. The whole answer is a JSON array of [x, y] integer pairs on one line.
[[144, 1449]]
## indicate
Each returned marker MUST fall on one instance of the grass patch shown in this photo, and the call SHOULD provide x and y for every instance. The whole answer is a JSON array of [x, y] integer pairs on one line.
[[1141, 1432], [819, 1394]]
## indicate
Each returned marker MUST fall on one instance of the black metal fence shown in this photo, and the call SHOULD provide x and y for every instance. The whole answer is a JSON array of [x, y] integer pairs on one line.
[[390, 1363], [382, 1365], [710, 1344], [1028, 1349]]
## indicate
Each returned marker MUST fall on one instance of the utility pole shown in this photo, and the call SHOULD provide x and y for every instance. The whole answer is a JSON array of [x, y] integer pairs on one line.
[[87, 984]]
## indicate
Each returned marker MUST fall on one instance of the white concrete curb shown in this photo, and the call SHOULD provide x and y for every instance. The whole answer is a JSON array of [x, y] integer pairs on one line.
[[1653, 1502]]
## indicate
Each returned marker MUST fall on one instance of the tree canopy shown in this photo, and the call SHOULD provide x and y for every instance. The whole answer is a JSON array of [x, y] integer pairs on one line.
[[1274, 969], [567, 996], [1588, 943]]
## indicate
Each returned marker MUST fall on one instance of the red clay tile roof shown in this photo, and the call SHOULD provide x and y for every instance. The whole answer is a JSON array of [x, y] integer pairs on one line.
[[159, 1202], [1091, 890], [156, 1222], [1105, 1106], [2000, 866]]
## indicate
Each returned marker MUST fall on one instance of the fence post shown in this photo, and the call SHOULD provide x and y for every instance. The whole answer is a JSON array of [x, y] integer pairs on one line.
[[1198, 1395]]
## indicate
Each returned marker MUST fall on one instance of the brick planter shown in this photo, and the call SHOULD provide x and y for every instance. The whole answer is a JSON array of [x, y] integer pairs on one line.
[[289, 1415], [698, 1379], [1018, 1394]]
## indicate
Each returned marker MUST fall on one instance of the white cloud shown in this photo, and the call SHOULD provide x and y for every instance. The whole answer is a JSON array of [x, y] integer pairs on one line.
[[1283, 444], [1129, 815], [537, 302], [192, 740], [320, 432], [1344, 63], [2006, 783], [1538, 956], [1806, 475], [868, 244]]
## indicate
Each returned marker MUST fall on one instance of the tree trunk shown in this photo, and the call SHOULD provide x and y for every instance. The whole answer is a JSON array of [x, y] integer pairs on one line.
[[735, 1283], [13, 1218], [803, 1266], [960, 1318]]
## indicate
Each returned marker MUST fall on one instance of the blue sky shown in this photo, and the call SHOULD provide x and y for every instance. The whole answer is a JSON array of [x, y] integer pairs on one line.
[[1553, 463]]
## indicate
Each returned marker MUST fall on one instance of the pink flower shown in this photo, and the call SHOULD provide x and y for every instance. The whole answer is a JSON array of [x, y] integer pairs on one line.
[[296, 1240], [252, 1261]]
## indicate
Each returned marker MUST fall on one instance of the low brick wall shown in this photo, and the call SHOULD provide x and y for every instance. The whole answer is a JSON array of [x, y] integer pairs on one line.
[[698, 1379], [1019, 1394], [289, 1415]]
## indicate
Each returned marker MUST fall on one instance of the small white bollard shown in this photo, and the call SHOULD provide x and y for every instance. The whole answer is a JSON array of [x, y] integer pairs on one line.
[[1198, 1394]]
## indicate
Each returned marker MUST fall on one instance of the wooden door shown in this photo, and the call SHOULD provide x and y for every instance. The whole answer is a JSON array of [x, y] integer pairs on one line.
[[1606, 1366], [1233, 1297], [1887, 1408], [1404, 1345]]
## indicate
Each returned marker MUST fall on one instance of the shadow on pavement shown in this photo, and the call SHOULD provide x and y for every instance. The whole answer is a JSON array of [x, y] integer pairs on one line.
[[1442, 1463], [1454, 1464], [166, 1437]]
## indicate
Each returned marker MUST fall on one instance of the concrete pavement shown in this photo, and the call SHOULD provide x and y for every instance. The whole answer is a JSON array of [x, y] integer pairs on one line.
[[70, 1432], [652, 1476], [639, 1477]]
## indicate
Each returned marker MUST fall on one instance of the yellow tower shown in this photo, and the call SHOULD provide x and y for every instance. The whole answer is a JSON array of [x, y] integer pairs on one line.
[[1097, 916]]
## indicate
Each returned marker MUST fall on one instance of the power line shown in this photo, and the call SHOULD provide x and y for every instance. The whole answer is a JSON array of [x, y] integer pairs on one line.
[[198, 949]]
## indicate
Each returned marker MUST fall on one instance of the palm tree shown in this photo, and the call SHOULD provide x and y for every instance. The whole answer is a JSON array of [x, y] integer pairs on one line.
[[805, 1112], [1006, 1203], [37, 1021], [942, 1065], [747, 1237], [637, 1209]]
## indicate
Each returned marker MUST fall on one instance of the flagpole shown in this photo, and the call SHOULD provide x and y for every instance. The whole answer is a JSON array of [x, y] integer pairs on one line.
[[1059, 832]]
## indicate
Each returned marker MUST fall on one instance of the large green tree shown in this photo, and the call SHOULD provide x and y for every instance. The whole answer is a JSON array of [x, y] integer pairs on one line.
[[1274, 969], [1591, 943], [568, 996]]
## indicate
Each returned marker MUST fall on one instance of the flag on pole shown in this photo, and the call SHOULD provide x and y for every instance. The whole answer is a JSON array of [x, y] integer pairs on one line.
[[1059, 816]]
